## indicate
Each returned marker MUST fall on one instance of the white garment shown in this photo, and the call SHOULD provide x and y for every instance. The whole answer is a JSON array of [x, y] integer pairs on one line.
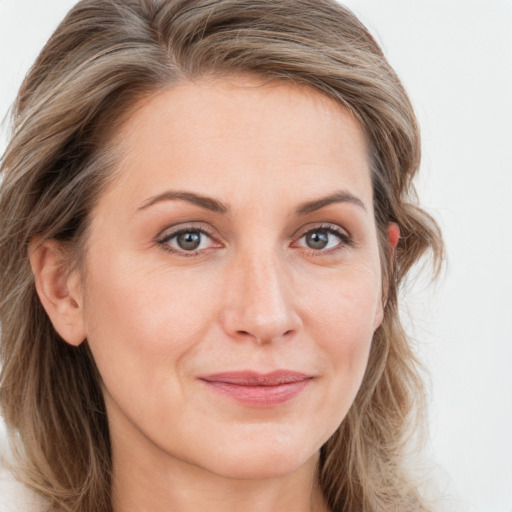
[[14, 496]]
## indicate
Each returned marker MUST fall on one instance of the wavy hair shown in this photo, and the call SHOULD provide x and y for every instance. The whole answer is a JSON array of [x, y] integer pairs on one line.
[[105, 57]]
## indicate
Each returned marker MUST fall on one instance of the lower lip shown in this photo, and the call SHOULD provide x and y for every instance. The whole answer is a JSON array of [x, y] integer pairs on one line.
[[260, 396]]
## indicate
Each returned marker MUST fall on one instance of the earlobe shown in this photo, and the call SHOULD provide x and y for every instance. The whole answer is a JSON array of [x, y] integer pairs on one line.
[[58, 290]]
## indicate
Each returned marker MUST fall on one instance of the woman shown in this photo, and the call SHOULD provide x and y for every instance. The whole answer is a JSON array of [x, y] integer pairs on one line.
[[207, 212]]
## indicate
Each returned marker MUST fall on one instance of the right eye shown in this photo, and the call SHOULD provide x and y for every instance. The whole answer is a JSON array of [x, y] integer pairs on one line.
[[187, 241]]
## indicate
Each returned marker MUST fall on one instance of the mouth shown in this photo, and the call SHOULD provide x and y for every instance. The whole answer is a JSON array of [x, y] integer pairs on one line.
[[259, 390]]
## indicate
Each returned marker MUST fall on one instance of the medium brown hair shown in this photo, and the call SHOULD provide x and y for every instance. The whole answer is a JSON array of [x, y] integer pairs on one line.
[[105, 57]]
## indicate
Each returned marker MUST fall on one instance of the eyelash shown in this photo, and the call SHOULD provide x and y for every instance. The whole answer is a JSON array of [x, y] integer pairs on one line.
[[163, 242], [345, 240]]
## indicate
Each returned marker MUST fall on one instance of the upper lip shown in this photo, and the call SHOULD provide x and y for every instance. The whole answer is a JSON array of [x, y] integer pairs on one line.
[[252, 378]]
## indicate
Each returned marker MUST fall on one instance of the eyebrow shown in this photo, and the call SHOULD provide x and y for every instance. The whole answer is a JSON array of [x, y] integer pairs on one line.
[[341, 196], [216, 206], [207, 203]]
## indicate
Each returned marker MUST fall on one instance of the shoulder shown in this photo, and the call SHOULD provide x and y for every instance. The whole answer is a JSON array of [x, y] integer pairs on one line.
[[14, 496]]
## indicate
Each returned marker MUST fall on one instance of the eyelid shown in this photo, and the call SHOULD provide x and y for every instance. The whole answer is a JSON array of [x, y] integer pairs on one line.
[[346, 240], [171, 232]]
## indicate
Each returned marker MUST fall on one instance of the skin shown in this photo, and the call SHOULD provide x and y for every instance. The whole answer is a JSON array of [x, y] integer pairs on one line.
[[253, 296]]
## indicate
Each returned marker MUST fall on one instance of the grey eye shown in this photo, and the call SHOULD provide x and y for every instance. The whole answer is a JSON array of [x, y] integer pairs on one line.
[[189, 240], [324, 239], [318, 239]]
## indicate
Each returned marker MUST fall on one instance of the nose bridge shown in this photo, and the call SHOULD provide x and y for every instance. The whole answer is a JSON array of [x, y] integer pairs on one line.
[[260, 304]]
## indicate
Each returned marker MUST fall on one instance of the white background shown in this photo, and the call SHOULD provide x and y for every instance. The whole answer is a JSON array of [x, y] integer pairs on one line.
[[455, 58]]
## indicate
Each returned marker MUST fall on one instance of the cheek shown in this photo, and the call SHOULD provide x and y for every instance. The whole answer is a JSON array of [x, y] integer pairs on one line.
[[339, 316], [351, 334], [138, 317], [342, 318]]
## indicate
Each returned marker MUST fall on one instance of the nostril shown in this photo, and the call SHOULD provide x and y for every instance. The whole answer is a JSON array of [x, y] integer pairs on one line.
[[264, 339]]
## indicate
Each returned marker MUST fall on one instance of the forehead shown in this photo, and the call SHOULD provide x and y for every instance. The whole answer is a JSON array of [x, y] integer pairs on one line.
[[218, 134]]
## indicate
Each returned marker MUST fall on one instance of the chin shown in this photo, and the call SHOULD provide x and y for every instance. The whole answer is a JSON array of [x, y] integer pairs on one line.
[[267, 469], [263, 462]]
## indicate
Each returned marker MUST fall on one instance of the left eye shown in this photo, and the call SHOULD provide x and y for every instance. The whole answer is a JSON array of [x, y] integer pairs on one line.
[[187, 240], [321, 239]]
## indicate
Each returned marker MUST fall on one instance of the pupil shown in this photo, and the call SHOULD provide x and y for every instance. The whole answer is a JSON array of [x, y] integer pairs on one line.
[[317, 239], [189, 240]]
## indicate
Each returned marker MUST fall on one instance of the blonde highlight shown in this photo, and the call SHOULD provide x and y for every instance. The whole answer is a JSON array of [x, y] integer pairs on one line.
[[106, 57]]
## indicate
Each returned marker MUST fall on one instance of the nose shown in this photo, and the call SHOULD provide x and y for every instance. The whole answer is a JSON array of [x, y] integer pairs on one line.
[[259, 300]]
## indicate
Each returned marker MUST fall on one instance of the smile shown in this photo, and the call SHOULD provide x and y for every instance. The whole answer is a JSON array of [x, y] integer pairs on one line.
[[258, 390]]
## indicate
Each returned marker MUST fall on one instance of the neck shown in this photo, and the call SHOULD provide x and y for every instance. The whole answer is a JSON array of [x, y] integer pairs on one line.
[[167, 484], [190, 491]]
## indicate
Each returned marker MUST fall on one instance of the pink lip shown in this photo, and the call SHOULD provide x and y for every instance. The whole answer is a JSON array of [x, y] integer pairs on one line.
[[259, 390]]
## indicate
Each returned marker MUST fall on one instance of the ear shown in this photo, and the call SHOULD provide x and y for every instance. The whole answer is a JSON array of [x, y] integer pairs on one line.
[[393, 235], [393, 238], [58, 290]]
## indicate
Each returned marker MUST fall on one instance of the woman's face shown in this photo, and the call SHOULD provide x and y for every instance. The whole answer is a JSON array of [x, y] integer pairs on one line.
[[232, 283]]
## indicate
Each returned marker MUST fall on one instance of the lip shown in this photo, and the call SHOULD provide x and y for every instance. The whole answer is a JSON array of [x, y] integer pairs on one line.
[[257, 389]]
